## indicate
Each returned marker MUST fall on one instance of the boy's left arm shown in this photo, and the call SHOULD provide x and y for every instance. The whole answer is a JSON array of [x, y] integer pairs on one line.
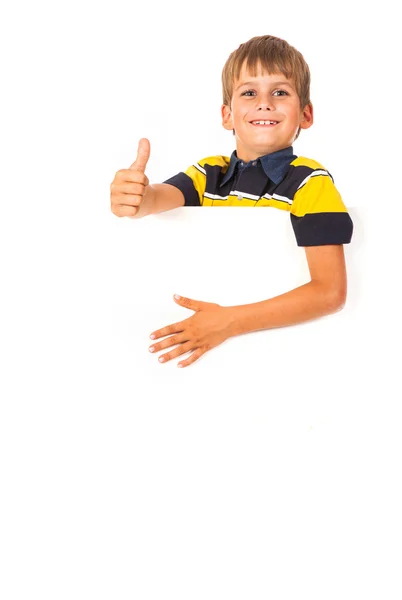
[[323, 295], [212, 323]]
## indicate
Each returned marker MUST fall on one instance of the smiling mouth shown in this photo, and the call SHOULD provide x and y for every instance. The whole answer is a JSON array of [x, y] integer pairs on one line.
[[264, 123]]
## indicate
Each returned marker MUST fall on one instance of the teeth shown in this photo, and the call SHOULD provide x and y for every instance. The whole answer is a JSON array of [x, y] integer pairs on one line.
[[265, 122]]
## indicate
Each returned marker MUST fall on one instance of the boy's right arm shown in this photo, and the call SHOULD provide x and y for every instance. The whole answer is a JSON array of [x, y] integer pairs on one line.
[[132, 196]]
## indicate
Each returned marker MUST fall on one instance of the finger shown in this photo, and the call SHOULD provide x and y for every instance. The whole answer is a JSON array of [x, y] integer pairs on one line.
[[182, 349], [127, 199], [128, 188], [192, 358], [143, 152], [169, 341], [125, 211], [175, 328], [129, 176]]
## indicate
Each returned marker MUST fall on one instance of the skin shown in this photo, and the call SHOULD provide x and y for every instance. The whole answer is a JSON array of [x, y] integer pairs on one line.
[[260, 98]]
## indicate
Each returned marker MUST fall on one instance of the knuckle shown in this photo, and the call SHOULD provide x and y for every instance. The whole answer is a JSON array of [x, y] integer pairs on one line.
[[141, 178], [196, 334], [138, 189]]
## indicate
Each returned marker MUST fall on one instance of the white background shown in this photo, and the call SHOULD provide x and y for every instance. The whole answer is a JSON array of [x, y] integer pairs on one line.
[[270, 468]]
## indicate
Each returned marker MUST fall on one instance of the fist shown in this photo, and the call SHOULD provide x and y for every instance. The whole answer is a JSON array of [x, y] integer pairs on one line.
[[129, 186]]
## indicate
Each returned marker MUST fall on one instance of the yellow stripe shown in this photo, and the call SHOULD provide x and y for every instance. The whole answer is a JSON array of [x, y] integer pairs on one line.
[[216, 161], [230, 201], [318, 195], [234, 201], [302, 161], [274, 203], [199, 179]]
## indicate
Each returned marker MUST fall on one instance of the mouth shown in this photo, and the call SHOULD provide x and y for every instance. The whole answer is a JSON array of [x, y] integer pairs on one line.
[[264, 123]]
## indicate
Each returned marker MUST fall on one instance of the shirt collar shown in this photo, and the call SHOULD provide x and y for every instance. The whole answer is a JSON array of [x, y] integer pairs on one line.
[[275, 164]]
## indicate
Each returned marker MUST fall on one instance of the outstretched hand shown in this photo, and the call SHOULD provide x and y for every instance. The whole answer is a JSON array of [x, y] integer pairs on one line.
[[206, 328]]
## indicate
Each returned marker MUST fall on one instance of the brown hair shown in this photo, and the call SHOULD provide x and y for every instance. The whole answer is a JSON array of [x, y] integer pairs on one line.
[[273, 54]]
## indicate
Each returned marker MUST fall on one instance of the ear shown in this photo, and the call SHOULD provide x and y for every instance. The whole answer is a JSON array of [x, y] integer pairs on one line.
[[307, 117], [227, 121]]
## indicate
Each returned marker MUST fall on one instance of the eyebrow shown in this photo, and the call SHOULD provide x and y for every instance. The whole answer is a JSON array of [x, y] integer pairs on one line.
[[273, 83]]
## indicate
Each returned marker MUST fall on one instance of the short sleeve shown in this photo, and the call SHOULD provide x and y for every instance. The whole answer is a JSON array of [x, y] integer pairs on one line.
[[318, 214], [192, 183], [186, 186]]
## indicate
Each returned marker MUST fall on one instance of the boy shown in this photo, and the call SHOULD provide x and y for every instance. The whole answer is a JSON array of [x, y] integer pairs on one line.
[[266, 102]]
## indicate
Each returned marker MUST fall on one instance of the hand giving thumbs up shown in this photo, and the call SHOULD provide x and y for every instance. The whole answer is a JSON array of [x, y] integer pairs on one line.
[[129, 186]]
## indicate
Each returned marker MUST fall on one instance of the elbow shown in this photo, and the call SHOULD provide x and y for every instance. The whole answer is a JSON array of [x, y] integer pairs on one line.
[[336, 299], [332, 297]]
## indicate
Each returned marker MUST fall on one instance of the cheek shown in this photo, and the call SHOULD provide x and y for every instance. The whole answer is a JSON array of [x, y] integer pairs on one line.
[[239, 113], [293, 112]]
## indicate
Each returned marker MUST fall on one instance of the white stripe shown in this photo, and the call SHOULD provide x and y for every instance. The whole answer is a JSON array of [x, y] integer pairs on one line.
[[313, 174], [278, 197], [248, 196], [232, 193], [214, 196], [199, 167]]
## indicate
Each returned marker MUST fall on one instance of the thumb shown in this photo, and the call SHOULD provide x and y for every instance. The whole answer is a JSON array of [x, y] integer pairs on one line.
[[143, 152]]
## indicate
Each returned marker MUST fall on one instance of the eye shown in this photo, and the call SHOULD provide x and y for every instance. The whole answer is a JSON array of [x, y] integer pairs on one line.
[[252, 92]]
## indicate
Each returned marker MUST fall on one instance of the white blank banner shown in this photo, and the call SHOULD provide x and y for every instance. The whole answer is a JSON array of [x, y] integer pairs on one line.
[[262, 469]]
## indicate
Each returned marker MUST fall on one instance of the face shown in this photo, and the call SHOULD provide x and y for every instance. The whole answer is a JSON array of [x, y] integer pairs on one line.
[[266, 97]]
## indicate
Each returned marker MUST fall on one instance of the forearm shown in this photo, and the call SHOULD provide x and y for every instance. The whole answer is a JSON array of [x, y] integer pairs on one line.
[[304, 303], [160, 197], [146, 206]]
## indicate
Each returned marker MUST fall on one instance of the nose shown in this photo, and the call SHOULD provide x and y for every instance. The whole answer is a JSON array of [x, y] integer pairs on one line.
[[266, 103]]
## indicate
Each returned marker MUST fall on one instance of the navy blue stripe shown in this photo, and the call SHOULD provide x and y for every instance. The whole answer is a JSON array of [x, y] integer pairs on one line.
[[185, 185], [322, 229]]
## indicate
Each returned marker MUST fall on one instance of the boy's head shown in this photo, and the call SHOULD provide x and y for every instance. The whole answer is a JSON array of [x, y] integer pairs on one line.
[[265, 79]]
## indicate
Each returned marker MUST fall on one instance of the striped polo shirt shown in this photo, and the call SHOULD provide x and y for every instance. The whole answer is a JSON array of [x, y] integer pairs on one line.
[[282, 180]]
